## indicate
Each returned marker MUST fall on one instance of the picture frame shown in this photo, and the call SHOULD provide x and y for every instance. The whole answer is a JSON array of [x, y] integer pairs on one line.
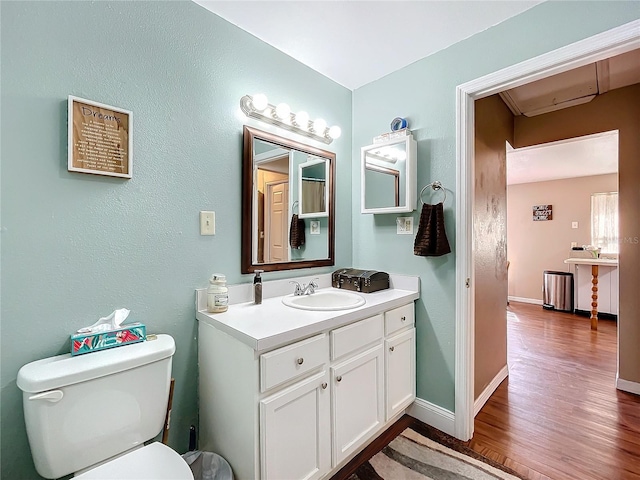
[[542, 213], [100, 139]]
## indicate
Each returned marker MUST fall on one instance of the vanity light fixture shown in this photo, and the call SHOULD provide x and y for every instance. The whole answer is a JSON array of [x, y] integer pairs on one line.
[[257, 106]]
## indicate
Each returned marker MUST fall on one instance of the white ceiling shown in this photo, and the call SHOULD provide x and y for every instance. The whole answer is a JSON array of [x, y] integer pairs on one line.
[[577, 157], [357, 42]]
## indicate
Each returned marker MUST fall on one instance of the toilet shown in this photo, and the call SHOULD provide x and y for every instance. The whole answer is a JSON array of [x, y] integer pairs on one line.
[[91, 414]]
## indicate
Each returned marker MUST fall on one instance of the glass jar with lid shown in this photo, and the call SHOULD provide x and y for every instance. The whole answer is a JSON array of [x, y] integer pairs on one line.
[[217, 294]]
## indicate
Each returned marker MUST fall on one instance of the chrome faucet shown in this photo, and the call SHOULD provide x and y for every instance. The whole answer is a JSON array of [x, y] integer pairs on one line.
[[304, 289]]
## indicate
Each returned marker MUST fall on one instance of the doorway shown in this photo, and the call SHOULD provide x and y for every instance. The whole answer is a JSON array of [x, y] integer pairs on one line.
[[598, 47]]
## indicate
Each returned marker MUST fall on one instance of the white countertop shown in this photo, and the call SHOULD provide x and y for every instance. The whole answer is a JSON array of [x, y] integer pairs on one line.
[[272, 324], [609, 262]]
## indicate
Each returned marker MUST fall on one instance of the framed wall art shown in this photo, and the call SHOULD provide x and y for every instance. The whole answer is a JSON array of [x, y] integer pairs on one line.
[[542, 213], [100, 138]]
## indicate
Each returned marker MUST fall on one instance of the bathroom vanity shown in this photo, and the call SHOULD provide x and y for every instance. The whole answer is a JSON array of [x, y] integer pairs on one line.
[[290, 393]]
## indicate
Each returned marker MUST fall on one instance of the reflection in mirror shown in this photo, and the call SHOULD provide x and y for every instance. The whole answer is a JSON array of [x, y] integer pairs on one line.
[[281, 180], [313, 188], [388, 176]]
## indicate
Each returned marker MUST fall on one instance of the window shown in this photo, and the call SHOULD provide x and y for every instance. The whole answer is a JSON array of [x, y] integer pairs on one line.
[[604, 221]]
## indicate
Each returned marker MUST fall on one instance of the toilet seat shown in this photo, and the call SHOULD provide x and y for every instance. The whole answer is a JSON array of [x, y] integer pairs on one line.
[[156, 461]]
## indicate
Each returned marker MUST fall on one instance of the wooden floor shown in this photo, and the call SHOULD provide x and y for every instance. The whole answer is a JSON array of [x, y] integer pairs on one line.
[[558, 415]]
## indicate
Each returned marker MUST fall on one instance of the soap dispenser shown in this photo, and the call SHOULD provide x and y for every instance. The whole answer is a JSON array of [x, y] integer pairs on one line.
[[257, 287]]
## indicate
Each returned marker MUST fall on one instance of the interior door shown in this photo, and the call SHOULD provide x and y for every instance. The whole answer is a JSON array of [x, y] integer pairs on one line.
[[277, 225]]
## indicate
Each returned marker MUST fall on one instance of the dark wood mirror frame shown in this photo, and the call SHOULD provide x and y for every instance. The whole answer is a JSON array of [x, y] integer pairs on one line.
[[249, 135]]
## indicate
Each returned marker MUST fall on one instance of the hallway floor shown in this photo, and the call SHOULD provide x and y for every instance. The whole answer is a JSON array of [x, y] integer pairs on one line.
[[558, 415]]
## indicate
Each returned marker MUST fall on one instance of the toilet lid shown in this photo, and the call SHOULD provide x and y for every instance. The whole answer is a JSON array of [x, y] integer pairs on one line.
[[156, 461]]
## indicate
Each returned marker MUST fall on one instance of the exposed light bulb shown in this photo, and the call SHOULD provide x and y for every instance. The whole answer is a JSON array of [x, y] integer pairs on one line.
[[335, 132], [402, 155], [283, 111], [260, 101], [302, 119], [319, 126]]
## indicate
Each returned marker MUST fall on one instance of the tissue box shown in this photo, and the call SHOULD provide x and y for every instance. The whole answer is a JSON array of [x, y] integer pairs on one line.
[[94, 342]]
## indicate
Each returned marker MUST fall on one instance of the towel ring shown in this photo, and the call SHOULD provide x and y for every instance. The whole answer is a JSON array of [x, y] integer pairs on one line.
[[435, 186], [294, 205]]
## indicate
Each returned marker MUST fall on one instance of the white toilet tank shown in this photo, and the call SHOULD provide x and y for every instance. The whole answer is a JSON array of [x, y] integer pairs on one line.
[[80, 411]]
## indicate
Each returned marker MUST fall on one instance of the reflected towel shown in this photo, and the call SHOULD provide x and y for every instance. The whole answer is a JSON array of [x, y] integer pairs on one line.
[[431, 240], [296, 232]]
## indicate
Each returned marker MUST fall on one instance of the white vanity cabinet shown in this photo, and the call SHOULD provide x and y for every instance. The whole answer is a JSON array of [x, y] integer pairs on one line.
[[304, 409]]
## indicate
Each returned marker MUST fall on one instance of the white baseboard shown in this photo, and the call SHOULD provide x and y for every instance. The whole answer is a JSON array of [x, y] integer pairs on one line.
[[433, 415], [627, 386], [533, 301], [495, 383]]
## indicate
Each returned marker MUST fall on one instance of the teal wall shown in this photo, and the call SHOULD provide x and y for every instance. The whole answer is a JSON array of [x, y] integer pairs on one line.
[[77, 246], [424, 93]]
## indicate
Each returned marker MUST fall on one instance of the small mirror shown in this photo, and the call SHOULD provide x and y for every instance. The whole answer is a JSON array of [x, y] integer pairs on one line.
[[313, 188], [389, 176], [287, 204]]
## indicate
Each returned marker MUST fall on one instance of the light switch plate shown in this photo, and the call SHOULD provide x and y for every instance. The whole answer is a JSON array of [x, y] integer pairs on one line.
[[314, 227], [207, 223], [574, 224], [404, 225]]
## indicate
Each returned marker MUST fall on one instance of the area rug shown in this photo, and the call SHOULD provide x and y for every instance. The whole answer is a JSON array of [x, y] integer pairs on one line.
[[410, 456]]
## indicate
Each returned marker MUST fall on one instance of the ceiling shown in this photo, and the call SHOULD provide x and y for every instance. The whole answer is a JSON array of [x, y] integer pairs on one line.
[[373, 38], [577, 157]]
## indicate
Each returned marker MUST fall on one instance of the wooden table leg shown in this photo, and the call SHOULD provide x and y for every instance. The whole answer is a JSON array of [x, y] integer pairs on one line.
[[594, 297]]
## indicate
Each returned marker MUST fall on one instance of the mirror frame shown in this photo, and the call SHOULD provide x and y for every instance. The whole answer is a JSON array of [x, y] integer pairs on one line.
[[247, 266], [410, 196], [310, 163]]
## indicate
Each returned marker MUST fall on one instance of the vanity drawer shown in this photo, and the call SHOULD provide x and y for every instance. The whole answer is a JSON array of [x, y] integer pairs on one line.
[[353, 337], [288, 362], [398, 318]]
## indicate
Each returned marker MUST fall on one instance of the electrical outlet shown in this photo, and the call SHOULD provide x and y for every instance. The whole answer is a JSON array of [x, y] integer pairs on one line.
[[404, 225], [207, 223]]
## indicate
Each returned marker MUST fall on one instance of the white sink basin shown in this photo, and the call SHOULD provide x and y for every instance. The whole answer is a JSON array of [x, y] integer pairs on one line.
[[323, 300]]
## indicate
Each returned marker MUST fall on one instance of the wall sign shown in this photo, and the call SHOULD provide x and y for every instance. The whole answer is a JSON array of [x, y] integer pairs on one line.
[[100, 140], [542, 213]]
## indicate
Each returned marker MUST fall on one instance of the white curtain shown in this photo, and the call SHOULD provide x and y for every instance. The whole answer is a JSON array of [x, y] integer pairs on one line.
[[604, 221]]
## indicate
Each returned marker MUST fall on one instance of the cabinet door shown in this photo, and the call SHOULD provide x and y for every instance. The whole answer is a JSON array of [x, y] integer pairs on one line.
[[357, 396], [294, 431], [615, 302], [400, 372], [604, 289], [583, 287]]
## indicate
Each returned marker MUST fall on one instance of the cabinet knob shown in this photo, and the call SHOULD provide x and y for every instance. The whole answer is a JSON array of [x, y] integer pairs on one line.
[[391, 349], [300, 361], [339, 378], [403, 318], [324, 385]]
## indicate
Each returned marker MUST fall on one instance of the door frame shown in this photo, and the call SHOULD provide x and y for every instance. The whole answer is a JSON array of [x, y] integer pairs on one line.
[[613, 42]]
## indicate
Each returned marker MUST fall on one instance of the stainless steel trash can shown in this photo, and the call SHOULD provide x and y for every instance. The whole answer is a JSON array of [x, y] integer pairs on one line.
[[557, 291]]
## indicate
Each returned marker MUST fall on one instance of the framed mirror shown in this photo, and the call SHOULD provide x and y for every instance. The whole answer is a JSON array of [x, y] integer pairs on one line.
[[388, 176], [288, 204], [313, 188]]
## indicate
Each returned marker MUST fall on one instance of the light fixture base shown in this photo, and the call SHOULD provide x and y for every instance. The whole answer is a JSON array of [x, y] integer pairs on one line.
[[267, 115]]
